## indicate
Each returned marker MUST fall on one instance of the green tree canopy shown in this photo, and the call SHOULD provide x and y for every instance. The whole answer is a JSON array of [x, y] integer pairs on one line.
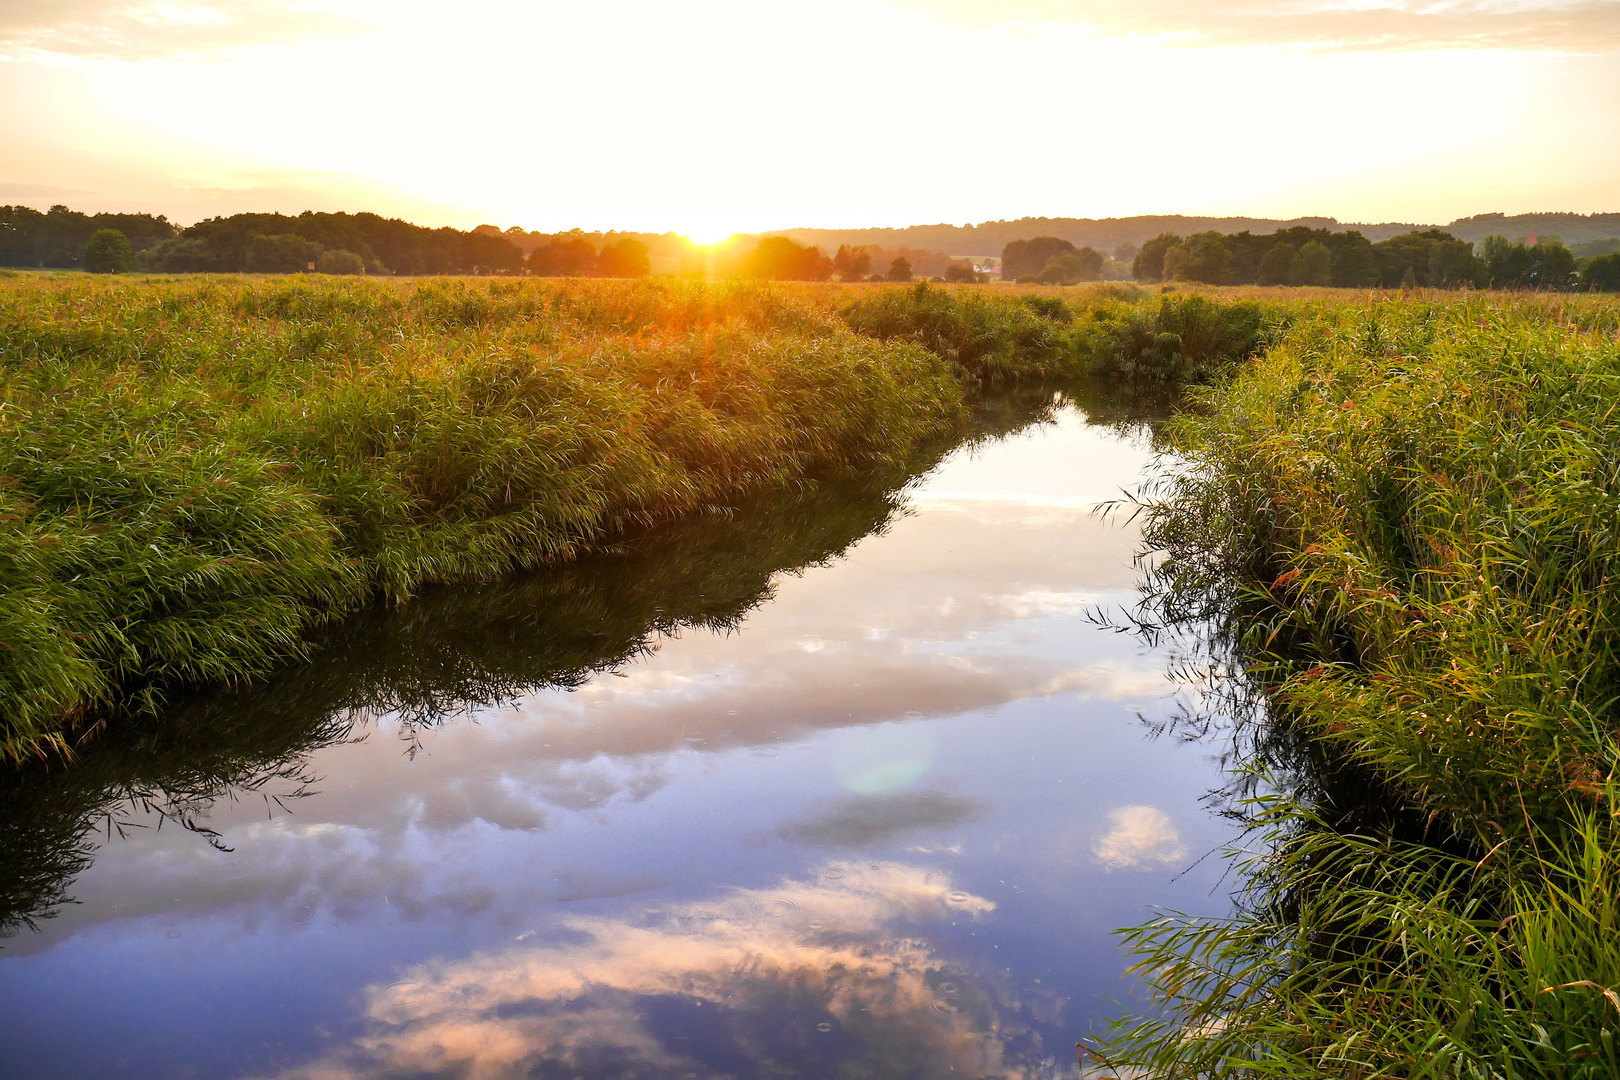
[[1149, 262], [852, 263], [340, 261], [1202, 257], [624, 258], [1313, 265], [1277, 265], [109, 252], [287, 253], [780, 259], [568, 255], [1548, 265], [1602, 274], [1072, 267], [900, 270], [1436, 258], [1025, 258]]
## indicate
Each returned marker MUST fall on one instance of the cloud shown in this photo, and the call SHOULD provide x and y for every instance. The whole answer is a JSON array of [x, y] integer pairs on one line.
[[1584, 26], [859, 820], [114, 30], [1141, 836], [781, 979]]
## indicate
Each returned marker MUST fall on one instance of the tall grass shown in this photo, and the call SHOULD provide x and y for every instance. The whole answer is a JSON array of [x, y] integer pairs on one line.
[[1110, 332], [1408, 511], [193, 474]]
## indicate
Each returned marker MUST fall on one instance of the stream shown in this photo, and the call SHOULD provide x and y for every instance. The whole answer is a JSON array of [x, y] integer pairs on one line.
[[848, 784]]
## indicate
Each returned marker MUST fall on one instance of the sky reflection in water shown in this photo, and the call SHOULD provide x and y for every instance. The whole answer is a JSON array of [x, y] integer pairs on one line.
[[886, 824]]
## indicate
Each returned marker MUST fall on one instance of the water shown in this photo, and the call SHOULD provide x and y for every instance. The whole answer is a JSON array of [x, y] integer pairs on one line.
[[824, 786]]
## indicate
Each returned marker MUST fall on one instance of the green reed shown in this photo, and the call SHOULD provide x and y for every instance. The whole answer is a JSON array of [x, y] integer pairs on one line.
[[193, 473], [1408, 516]]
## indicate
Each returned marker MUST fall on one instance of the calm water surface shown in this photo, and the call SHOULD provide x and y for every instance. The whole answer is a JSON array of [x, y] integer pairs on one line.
[[697, 811]]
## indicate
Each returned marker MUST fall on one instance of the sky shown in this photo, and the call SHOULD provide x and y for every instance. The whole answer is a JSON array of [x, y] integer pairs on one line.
[[714, 116]]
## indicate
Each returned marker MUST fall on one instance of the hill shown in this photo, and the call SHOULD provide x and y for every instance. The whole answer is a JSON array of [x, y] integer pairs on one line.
[[1105, 234]]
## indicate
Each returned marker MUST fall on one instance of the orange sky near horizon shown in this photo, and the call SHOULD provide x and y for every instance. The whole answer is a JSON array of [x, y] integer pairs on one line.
[[722, 116]]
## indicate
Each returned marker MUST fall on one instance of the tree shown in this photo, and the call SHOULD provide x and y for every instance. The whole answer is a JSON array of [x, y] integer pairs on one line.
[[1202, 257], [962, 274], [780, 259], [1277, 265], [900, 270], [1436, 258], [1072, 267], [1149, 262], [625, 258], [108, 252], [284, 254], [1517, 266], [1355, 263], [340, 262], [852, 263], [568, 255], [1313, 266], [1022, 258], [1602, 274]]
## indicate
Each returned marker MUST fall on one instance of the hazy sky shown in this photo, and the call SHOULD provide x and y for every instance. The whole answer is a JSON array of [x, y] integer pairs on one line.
[[708, 116]]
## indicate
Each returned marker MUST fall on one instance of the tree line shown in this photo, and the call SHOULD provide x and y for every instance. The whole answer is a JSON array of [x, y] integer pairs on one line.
[[1430, 258], [254, 243]]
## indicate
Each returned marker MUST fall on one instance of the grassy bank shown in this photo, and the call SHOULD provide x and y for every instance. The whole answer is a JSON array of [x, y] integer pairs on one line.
[[197, 472], [193, 473], [1404, 522]]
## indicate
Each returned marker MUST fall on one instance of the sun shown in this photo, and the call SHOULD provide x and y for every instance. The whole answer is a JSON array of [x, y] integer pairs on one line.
[[708, 235]]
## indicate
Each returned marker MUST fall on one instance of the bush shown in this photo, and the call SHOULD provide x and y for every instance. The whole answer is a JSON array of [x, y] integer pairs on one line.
[[108, 252], [340, 262], [1179, 339], [986, 338]]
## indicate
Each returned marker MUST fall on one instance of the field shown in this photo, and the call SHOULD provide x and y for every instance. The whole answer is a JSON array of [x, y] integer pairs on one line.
[[194, 473]]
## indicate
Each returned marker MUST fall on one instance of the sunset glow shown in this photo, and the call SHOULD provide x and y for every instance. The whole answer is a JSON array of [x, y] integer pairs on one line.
[[720, 116]]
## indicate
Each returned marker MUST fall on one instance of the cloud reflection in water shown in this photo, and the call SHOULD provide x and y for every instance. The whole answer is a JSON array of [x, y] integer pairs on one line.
[[782, 981]]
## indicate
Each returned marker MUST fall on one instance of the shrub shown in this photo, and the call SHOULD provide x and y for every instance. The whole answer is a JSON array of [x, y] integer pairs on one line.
[[1179, 339], [108, 252]]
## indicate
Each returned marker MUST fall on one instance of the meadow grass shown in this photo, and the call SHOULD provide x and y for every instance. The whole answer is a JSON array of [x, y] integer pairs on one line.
[[1405, 519], [194, 472]]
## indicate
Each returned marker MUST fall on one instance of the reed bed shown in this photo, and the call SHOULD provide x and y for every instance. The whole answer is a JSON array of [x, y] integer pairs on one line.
[[194, 473], [1406, 520]]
